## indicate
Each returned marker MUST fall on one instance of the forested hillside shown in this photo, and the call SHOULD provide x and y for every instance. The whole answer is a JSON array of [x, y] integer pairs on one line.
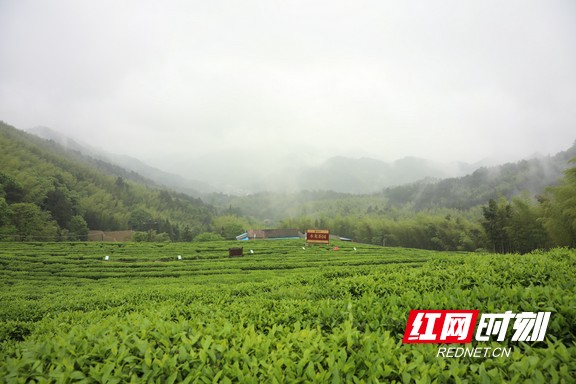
[[519, 224], [508, 180], [530, 177], [515, 207], [48, 193]]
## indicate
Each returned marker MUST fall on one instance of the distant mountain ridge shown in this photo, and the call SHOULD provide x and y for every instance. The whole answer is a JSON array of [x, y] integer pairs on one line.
[[363, 175], [243, 173], [531, 176], [366, 175], [158, 176], [227, 172], [407, 179], [462, 193]]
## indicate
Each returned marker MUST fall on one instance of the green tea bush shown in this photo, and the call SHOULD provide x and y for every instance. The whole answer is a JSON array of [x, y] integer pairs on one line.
[[280, 314]]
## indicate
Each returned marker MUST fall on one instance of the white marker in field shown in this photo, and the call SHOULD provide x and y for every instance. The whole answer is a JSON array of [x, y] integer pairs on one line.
[[251, 251], [179, 257], [354, 248], [106, 258]]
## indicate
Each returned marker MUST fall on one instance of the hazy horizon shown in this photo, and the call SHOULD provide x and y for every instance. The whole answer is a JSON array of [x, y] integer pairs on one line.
[[239, 173], [175, 81]]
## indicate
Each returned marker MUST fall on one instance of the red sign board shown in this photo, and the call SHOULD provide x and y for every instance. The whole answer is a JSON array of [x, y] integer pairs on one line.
[[440, 326], [318, 236]]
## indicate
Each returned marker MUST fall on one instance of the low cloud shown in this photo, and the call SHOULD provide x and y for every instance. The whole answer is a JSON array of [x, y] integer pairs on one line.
[[172, 82]]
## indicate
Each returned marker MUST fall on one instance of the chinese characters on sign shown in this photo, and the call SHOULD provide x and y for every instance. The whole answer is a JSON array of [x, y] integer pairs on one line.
[[318, 236], [440, 326], [457, 326]]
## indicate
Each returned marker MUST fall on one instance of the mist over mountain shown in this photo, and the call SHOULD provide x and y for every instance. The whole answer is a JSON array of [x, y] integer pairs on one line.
[[243, 172], [160, 177], [240, 172], [366, 175], [531, 176]]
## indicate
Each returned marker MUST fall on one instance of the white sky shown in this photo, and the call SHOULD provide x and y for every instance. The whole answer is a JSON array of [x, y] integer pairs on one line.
[[444, 80]]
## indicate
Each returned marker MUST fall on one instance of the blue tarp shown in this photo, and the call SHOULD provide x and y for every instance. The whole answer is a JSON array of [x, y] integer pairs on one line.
[[242, 237]]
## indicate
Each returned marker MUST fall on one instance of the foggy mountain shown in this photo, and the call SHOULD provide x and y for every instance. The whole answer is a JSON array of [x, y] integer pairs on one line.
[[532, 176], [242, 172], [174, 181], [366, 175], [463, 194]]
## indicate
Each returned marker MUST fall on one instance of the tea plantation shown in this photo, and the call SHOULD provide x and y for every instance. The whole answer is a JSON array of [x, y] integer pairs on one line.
[[281, 313]]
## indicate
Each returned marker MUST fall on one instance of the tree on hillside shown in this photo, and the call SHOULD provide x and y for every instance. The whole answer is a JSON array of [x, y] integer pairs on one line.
[[526, 229], [496, 222], [228, 226], [78, 228], [32, 223], [4, 212], [7, 230], [560, 209], [142, 220], [187, 234], [60, 205], [10, 189]]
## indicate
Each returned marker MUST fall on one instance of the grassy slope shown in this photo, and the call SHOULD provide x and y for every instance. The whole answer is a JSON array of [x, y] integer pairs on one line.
[[280, 314]]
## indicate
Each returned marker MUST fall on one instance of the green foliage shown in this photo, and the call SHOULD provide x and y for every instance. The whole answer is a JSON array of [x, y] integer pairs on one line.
[[484, 184], [496, 223], [281, 314], [59, 203], [141, 220], [4, 212], [151, 236], [526, 229], [208, 236], [439, 230], [228, 226], [10, 189], [461, 194], [560, 210], [30, 222], [484, 210], [78, 228]]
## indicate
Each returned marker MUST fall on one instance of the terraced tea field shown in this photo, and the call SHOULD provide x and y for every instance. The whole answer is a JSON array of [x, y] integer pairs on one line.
[[281, 313]]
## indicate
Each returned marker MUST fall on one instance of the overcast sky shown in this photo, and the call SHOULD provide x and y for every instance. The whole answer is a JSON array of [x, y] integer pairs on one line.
[[445, 80]]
